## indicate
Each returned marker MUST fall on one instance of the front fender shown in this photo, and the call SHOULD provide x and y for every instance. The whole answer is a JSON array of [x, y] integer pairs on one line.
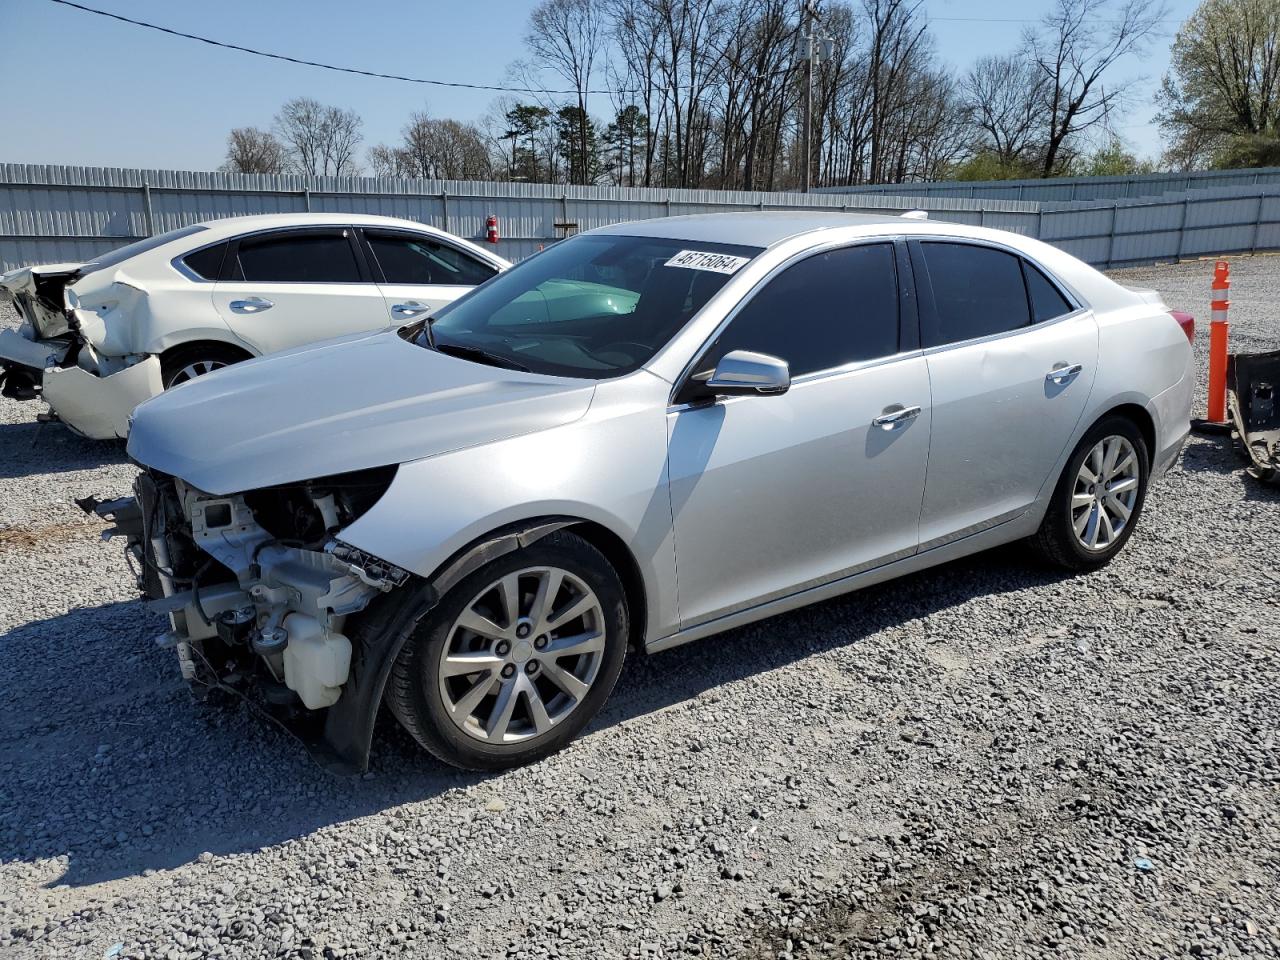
[[609, 470]]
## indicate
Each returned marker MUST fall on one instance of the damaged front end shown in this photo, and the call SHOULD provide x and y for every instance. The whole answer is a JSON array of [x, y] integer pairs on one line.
[[261, 595]]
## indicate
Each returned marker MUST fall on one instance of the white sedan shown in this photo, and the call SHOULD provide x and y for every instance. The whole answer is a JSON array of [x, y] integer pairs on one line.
[[99, 338]]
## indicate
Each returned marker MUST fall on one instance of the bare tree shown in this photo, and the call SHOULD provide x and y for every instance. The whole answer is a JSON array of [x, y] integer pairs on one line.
[[898, 43], [1076, 43], [250, 150], [434, 149], [388, 161], [319, 140], [1222, 92], [1002, 98], [566, 36]]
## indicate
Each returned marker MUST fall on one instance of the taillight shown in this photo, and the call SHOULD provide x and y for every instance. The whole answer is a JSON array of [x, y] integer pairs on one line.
[[1187, 322]]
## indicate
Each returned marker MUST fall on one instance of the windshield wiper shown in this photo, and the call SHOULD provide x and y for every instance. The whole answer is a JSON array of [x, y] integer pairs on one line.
[[480, 356]]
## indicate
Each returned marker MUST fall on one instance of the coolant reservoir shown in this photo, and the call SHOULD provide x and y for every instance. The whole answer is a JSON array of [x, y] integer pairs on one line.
[[316, 662]]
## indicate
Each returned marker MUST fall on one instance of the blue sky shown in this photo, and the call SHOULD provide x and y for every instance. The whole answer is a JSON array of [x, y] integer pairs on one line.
[[81, 89]]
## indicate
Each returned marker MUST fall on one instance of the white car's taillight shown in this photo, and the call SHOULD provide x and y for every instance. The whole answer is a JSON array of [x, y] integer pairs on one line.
[[1187, 322]]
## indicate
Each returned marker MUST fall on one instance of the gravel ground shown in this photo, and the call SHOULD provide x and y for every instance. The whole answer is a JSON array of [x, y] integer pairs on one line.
[[983, 760]]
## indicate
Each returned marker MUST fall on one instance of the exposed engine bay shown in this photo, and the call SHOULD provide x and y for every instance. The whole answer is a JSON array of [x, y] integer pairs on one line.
[[257, 587]]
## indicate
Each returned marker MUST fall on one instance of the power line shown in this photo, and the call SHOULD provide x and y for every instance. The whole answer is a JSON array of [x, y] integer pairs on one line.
[[505, 88]]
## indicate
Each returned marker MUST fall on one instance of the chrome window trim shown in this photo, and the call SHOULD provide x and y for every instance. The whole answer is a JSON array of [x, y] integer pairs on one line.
[[1068, 293], [687, 371], [1005, 334], [187, 272], [816, 376], [406, 232]]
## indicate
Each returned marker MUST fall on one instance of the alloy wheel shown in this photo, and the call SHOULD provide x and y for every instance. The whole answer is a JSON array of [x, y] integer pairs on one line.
[[1105, 494], [522, 655], [196, 369]]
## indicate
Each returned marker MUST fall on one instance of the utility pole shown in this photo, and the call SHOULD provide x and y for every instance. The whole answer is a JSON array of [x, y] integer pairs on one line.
[[814, 45], [806, 150]]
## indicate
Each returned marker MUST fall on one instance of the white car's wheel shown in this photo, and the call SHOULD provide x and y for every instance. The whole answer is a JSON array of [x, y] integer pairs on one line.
[[182, 365]]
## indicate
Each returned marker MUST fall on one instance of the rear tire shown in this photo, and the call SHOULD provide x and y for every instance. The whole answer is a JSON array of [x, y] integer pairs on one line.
[[494, 676], [187, 363], [1098, 499]]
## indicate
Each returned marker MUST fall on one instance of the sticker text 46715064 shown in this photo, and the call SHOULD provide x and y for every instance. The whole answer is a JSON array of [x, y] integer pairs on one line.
[[701, 260]]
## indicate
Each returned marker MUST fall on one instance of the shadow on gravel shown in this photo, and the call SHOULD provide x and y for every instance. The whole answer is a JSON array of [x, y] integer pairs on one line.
[[107, 761], [1217, 454], [39, 448]]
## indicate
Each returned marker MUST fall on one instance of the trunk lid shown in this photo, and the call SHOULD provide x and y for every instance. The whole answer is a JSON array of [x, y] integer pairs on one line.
[[39, 295]]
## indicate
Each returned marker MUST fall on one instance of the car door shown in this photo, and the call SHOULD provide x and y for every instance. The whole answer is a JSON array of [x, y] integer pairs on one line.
[[1011, 361], [419, 273], [283, 288], [772, 494]]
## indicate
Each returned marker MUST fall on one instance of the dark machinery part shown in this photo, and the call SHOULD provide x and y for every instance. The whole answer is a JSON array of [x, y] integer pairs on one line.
[[1251, 407]]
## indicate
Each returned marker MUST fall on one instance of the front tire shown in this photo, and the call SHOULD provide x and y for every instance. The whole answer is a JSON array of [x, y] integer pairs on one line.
[[516, 659], [1098, 499]]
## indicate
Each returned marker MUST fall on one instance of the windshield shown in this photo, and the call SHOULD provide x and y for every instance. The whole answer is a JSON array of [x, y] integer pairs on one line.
[[592, 306]]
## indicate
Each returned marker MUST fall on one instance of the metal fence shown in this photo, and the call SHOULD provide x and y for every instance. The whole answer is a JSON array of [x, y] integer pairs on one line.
[[1067, 189], [71, 214]]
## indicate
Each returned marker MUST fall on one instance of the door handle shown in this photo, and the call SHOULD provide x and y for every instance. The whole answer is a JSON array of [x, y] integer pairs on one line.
[[410, 309], [1062, 372], [251, 305], [893, 416]]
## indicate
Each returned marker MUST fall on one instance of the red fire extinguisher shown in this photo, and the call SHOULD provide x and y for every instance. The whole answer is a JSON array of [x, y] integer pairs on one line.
[[491, 229]]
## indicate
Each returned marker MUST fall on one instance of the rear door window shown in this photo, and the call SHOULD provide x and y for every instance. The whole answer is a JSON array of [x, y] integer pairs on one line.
[[977, 291], [404, 258], [314, 256], [828, 310]]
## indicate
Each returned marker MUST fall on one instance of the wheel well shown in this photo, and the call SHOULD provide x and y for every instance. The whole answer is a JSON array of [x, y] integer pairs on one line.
[[199, 347], [619, 555], [1142, 420], [524, 532]]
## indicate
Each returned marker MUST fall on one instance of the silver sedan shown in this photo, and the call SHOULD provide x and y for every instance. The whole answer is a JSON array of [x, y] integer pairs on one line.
[[646, 434]]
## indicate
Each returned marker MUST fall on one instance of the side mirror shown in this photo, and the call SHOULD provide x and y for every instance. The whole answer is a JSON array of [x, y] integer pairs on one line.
[[745, 373]]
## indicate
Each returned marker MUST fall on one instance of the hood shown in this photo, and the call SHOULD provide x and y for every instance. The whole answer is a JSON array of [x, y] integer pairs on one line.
[[37, 292], [363, 401]]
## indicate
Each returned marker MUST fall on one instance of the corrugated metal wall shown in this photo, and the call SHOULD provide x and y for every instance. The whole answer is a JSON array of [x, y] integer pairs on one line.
[[1067, 189], [52, 214]]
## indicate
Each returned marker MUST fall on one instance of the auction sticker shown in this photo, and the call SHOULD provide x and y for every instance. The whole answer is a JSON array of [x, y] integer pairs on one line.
[[715, 262]]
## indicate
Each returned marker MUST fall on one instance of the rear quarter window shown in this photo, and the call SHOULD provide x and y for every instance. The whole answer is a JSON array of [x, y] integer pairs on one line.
[[1047, 301], [207, 263]]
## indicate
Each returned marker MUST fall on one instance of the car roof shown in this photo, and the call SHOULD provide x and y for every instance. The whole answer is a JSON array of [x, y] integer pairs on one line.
[[756, 228], [231, 226]]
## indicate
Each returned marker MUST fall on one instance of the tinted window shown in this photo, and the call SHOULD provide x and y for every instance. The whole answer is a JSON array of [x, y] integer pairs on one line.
[[831, 309], [207, 262], [977, 291], [297, 258], [418, 260], [1046, 301]]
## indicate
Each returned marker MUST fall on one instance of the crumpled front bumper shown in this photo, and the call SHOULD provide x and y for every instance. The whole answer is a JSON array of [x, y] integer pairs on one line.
[[94, 406]]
